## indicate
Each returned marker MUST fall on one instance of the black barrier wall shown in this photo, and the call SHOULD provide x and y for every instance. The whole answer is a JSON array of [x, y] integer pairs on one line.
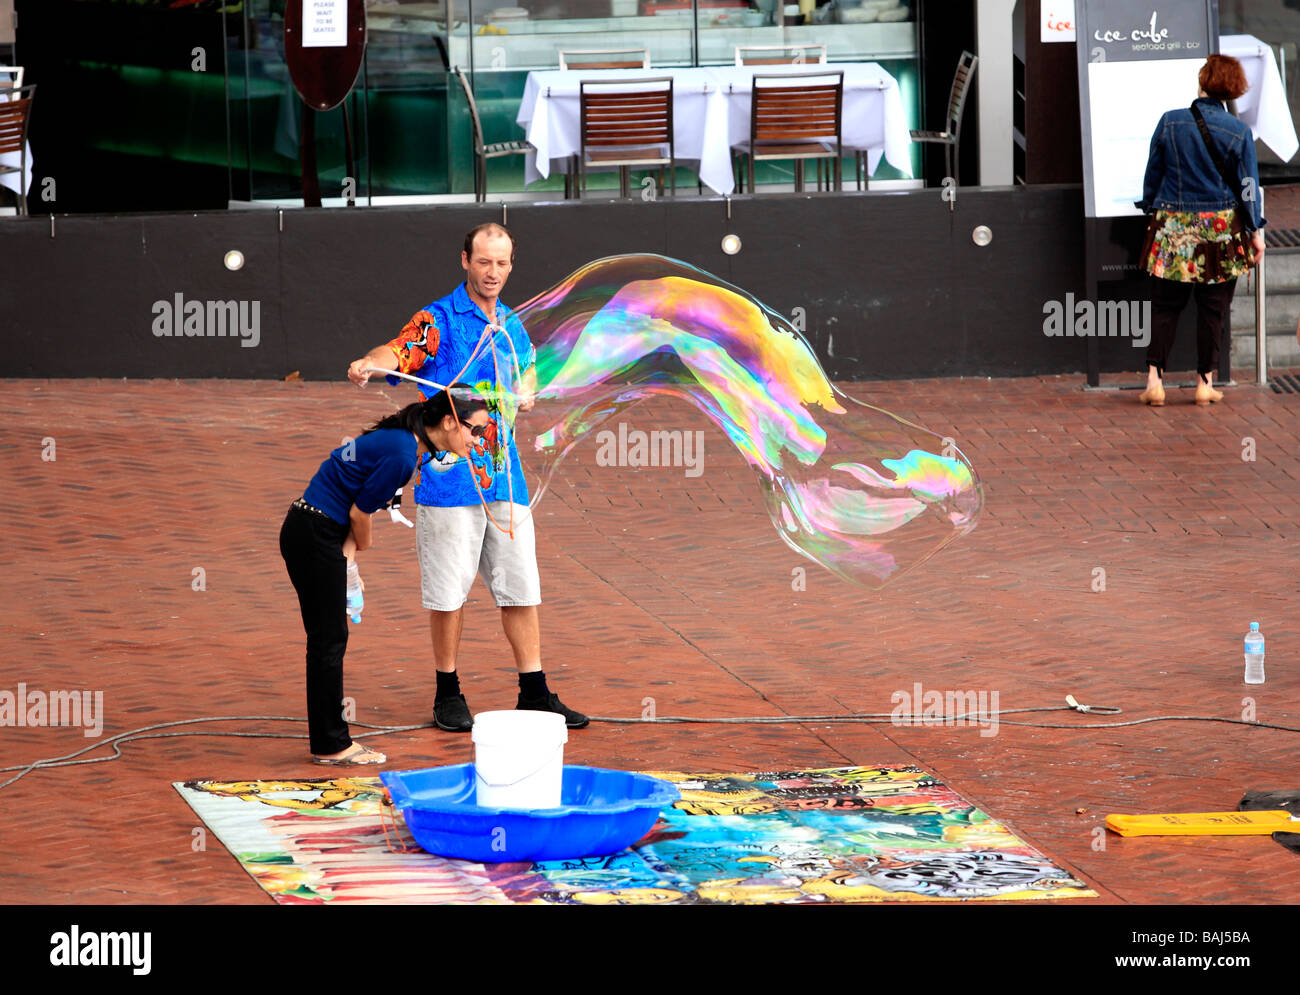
[[887, 285]]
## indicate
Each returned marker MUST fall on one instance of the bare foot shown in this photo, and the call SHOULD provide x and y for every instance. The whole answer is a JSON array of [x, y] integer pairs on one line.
[[354, 754]]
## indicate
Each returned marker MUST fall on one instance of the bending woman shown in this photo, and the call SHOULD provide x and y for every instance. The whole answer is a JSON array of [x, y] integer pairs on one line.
[[1203, 183], [332, 518]]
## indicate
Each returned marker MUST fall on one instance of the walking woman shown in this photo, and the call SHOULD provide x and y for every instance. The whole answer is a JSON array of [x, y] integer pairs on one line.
[[332, 520], [1202, 181]]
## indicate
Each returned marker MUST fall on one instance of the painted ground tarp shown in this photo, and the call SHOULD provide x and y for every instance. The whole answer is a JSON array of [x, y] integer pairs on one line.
[[842, 835]]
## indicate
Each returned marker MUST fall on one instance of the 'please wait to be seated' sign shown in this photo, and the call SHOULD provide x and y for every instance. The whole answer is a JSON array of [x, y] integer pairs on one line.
[[324, 23]]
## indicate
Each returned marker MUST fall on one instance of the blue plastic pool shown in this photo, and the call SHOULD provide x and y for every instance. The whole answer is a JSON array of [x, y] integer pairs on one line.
[[601, 812]]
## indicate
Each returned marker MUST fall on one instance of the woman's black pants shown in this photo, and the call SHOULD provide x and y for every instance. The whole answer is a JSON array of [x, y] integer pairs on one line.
[[1168, 298], [312, 547]]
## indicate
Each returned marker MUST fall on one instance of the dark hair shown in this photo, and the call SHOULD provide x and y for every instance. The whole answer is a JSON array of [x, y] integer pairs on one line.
[[430, 412], [1222, 78], [488, 228]]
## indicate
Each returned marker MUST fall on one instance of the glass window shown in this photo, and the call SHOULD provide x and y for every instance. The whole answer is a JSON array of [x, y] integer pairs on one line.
[[410, 121], [511, 35], [844, 30], [1264, 37]]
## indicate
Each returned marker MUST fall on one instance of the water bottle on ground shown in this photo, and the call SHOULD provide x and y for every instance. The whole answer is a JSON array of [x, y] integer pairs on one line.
[[1254, 655], [355, 601]]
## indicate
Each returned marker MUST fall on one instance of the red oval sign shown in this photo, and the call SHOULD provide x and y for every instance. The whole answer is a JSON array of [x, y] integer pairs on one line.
[[324, 42]]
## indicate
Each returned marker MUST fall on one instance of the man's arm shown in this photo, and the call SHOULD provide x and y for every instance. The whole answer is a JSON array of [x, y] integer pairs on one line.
[[381, 356], [360, 528], [526, 354], [528, 389], [415, 343]]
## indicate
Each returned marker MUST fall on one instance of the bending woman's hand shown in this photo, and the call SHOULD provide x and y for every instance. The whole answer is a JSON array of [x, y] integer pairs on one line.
[[360, 534], [1257, 240]]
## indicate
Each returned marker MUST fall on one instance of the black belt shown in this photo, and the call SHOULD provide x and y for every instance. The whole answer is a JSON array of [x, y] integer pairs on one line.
[[304, 506]]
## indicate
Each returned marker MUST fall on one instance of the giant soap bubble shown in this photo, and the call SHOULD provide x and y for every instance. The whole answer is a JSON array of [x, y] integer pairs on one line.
[[862, 492]]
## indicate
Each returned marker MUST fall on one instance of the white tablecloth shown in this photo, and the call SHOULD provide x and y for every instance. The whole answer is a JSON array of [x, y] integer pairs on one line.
[[549, 115], [711, 106], [873, 118], [1264, 106], [15, 159]]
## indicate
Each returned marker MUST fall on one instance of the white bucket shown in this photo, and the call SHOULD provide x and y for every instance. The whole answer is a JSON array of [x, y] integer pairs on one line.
[[518, 758]]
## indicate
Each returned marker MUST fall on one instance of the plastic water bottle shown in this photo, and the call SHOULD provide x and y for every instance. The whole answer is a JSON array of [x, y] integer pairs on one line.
[[355, 601], [1254, 655]]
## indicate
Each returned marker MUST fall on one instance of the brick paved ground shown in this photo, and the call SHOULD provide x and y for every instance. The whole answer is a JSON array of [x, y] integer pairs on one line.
[[658, 586]]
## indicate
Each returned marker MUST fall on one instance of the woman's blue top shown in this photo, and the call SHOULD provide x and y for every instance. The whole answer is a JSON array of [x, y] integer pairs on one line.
[[366, 472]]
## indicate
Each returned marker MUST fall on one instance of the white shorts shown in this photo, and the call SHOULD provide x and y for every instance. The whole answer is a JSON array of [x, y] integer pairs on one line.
[[454, 544]]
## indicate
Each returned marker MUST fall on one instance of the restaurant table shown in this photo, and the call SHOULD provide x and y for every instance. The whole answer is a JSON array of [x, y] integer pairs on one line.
[[1264, 106], [711, 107], [873, 119]]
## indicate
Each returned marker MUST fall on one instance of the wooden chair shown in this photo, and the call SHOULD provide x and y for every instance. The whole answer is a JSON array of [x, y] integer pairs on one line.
[[791, 117], [780, 55], [950, 137], [482, 152], [15, 113], [626, 123], [600, 58]]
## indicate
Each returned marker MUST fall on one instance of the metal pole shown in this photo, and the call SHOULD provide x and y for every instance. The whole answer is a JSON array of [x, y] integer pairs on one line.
[[695, 32], [365, 111], [1261, 325], [1261, 308], [469, 40]]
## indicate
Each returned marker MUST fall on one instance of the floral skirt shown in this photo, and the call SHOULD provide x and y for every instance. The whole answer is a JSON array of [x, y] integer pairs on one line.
[[1194, 247]]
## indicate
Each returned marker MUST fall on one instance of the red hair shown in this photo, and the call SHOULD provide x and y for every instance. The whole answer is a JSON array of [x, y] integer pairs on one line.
[[1222, 78]]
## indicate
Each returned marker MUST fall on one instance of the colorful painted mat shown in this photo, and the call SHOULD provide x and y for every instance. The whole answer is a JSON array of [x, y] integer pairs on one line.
[[853, 834]]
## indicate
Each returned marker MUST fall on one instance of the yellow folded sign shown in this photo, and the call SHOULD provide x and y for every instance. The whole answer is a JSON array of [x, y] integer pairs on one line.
[[1203, 824]]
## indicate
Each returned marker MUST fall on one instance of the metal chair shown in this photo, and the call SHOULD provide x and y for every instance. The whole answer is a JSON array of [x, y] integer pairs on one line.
[[626, 123], [15, 113], [797, 58], [482, 153], [641, 62], [1286, 54], [798, 120], [950, 137]]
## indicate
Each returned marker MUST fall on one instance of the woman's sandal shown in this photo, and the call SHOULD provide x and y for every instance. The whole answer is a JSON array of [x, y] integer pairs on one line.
[[1205, 394], [1154, 396], [357, 756]]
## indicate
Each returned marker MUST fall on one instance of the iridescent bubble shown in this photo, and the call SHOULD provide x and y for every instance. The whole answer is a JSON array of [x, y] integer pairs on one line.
[[860, 491]]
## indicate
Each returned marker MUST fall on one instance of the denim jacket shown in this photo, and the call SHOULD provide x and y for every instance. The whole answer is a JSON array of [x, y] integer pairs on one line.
[[1180, 174]]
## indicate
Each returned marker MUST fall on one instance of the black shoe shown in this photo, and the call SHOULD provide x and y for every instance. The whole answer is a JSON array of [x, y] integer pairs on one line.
[[452, 714], [552, 703]]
